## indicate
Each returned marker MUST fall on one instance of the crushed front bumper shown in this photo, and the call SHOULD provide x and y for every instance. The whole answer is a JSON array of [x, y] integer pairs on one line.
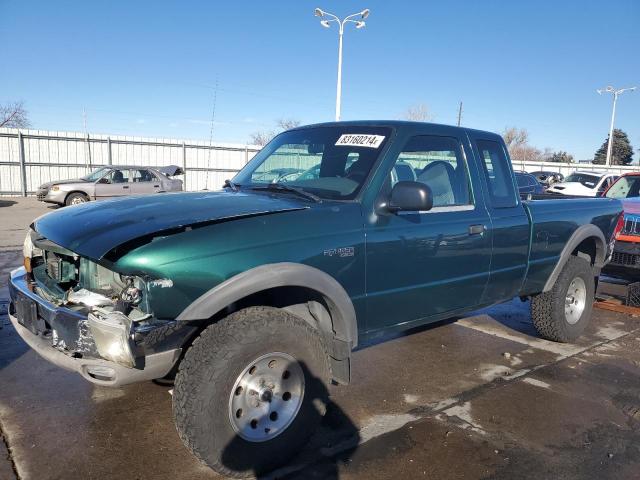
[[30, 313], [49, 196]]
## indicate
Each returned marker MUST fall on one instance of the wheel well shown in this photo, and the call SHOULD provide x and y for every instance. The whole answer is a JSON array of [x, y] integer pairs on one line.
[[587, 249], [75, 191], [303, 302]]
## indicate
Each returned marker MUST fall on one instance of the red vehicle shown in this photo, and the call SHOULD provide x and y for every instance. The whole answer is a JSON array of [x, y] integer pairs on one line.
[[626, 254]]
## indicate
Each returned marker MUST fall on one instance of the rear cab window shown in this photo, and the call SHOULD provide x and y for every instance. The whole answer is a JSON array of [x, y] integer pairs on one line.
[[497, 174]]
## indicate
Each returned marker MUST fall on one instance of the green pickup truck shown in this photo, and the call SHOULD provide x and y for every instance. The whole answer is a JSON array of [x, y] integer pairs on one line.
[[253, 297]]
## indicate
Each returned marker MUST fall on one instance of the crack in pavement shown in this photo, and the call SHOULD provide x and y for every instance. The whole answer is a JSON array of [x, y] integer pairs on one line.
[[5, 450]]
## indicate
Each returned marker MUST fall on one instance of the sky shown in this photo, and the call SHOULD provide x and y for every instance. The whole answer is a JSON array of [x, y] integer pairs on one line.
[[150, 68]]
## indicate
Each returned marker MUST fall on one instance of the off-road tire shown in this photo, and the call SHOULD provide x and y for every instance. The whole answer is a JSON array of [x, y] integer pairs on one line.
[[74, 196], [207, 375], [548, 308]]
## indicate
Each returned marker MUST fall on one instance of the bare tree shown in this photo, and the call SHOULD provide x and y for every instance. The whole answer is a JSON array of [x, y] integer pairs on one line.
[[517, 141], [515, 137], [287, 123], [417, 113], [263, 137], [14, 115]]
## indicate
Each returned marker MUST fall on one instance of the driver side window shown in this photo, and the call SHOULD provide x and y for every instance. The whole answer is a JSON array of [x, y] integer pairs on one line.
[[117, 176], [437, 162]]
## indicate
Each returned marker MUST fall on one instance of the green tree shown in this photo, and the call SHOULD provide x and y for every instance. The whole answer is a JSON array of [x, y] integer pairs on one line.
[[561, 157], [621, 153]]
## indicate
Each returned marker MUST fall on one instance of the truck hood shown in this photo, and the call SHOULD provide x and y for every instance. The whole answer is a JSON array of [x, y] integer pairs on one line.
[[97, 228]]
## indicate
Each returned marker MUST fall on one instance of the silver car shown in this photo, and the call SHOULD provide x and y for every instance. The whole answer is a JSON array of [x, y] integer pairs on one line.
[[110, 182]]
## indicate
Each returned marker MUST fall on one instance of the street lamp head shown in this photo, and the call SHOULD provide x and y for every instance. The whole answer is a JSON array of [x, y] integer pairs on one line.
[[609, 89], [318, 13], [360, 24], [325, 23], [365, 13]]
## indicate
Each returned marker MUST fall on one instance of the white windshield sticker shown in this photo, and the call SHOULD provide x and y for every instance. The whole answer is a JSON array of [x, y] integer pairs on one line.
[[360, 140]]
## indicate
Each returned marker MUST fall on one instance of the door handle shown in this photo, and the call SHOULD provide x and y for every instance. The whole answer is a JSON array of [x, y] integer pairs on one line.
[[477, 229], [125, 186], [156, 186]]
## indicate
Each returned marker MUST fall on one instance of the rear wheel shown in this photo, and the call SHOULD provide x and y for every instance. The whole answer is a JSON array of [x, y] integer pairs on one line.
[[251, 390], [76, 198], [563, 313]]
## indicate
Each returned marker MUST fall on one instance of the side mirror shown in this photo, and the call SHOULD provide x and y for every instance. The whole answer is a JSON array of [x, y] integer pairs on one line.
[[410, 196]]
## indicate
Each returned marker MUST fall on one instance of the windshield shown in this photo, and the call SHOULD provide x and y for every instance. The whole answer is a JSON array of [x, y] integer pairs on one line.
[[96, 175], [330, 162], [589, 181], [625, 187]]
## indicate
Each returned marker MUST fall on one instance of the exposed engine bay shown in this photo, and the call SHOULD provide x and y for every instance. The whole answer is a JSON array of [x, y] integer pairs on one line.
[[112, 303]]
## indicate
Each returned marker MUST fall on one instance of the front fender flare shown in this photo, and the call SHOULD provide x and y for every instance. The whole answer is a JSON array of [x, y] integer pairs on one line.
[[273, 275]]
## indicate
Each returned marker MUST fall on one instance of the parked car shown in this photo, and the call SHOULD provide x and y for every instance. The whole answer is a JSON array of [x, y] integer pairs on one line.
[[256, 295], [548, 178], [584, 184], [625, 262], [528, 184], [109, 182]]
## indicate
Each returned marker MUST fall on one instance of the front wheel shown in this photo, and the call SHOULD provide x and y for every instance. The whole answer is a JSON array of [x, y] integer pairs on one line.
[[76, 198], [563, 313], [251, 390]]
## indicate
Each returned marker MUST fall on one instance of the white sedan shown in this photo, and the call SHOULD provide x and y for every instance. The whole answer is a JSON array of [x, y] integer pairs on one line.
[[584, 184]]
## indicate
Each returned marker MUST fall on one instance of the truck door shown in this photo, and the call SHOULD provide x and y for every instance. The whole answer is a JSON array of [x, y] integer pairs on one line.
[[421, 265], [510, 226]]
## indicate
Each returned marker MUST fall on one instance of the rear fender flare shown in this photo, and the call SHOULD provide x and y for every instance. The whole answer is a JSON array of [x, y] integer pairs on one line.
[[582, 233]]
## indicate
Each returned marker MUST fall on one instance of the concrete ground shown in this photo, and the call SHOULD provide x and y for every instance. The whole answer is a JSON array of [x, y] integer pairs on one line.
[[481, 397]]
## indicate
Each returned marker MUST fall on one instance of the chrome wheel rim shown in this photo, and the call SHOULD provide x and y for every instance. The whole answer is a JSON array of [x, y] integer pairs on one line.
[[266, 397], [77, 200], [575, 301]]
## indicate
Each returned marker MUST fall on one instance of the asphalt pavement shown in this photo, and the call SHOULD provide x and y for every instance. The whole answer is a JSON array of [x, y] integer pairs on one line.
[[480, 397]]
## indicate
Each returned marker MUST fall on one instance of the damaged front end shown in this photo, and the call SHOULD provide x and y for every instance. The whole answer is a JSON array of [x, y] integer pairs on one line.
[[93, 312]]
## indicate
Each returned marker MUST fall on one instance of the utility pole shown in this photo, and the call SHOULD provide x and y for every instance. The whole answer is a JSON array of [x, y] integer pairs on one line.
[[460, 114], [87, 142], [615, 94]]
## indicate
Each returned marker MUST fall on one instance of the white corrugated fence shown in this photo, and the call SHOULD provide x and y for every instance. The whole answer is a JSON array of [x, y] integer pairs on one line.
[[29, 158]]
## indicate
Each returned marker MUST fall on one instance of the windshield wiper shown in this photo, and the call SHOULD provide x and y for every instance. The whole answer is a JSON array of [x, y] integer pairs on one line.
[[233, 186], [289, 188]]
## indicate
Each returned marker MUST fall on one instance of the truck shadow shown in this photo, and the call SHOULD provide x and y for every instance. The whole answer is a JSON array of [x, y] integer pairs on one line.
[[330, 446], [12, 347]]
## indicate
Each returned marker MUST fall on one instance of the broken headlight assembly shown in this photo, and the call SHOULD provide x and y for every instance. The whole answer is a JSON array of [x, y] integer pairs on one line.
[[29, 251], [111, 333]]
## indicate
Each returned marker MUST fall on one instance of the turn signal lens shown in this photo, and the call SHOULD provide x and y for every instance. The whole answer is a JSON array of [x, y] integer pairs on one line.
[[27, 264]]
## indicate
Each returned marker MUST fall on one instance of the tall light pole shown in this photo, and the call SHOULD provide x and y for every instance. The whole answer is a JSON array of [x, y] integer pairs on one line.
[[615, 94], [341, 23]]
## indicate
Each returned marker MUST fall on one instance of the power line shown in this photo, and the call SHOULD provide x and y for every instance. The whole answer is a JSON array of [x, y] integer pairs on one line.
[[213, 117]]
